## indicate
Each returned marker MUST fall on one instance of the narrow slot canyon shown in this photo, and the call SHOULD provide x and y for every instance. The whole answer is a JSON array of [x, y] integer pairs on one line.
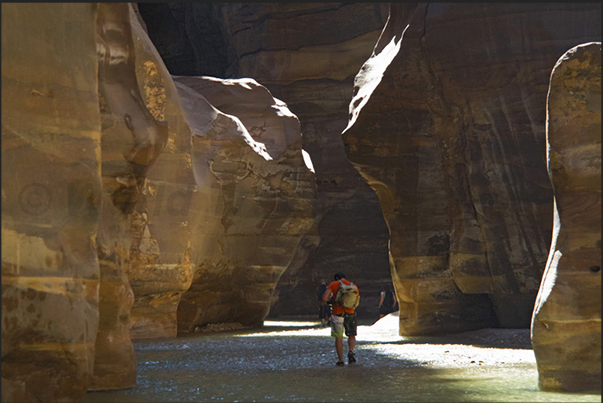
[[178, 179]]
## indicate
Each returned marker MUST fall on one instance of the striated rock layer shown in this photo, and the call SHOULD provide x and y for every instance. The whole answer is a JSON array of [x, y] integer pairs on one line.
[[160, 265], [447, 126], [306, 54], [566, 326], [51, 196], [131, 141], [255, 199], [79, 216], [77, 140]]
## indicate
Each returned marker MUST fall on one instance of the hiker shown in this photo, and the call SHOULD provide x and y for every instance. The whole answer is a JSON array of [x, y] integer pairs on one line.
[[388, 302], [344, 297], [324, 309]]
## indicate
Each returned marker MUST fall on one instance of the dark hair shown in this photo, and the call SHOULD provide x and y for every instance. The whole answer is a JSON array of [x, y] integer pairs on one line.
[[339, 275]]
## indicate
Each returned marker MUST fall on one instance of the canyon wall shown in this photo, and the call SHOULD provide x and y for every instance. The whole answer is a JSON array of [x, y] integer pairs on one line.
[[447, 125], [160, 264], [113, 205], [306, 54], [566, 326], [137, 204], [131, 141], [51, 200], [256, 197]]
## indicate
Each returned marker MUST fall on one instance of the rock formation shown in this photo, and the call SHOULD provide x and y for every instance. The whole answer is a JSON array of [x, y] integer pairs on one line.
[[447, 126], [566, 326], [170, 243], [255, 197], [160, 266], [51, 197], [136, 204], [306, 54], [131, 141]]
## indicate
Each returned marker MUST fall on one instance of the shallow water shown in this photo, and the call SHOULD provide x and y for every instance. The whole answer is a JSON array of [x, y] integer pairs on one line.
[[294, 361]]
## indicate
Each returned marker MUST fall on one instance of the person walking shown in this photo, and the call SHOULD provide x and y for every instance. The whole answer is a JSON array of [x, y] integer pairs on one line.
[[344, 297], [388, 302], [324, 309]]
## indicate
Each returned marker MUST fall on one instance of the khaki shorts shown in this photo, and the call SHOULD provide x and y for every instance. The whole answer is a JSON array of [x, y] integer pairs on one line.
[[339, 325]]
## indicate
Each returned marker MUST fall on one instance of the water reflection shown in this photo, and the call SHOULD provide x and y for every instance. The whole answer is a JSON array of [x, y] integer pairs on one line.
[[294, 361]]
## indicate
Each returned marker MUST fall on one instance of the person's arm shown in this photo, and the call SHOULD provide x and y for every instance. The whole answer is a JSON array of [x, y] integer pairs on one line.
[[395, 299], [327, 295], [381, 300]]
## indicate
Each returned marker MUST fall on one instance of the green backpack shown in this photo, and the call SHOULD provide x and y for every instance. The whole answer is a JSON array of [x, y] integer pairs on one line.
[[347, 296]]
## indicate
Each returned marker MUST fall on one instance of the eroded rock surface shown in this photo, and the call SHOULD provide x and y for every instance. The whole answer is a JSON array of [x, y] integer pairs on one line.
[[307, 55], [51, 195], [160, 266], [447, 126], [566, 326], [131, 141], [255, 197], [79, 140]]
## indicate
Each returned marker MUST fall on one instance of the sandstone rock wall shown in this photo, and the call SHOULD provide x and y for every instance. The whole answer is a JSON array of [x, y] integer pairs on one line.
[[174, 243], [447, 126], [131, 141], [566, 326], [255, 196], [160, 268], [307, 55], [101, 182], [51, 198]]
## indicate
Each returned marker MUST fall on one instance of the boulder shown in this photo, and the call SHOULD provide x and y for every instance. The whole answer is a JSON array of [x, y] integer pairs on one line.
[[566, 326], [447, 126]]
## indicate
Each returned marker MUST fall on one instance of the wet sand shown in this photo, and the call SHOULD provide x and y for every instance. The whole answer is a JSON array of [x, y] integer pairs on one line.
[[295, 361]]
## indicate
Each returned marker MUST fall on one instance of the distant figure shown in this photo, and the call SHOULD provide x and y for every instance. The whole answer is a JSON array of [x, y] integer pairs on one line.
[[344, 297], [324, 309], [388, 302]]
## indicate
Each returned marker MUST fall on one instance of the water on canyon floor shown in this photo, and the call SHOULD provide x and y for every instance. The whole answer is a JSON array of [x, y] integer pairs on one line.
[[294, 361]]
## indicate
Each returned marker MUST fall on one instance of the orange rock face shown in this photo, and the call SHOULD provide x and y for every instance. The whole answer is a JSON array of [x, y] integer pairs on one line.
[[131, 141], [566, 326], [160, 266], [51, 198]]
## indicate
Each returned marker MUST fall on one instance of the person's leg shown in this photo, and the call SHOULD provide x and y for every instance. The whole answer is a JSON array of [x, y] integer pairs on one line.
[[339, 348], [350, 325], [324, 314], [351, 343], [337, 332]]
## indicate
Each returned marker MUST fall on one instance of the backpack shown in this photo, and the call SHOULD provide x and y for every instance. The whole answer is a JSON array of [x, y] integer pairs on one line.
[[347, 296], [388, 299]]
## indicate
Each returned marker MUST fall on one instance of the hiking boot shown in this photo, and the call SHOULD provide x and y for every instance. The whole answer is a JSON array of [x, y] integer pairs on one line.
[[351, 357]]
